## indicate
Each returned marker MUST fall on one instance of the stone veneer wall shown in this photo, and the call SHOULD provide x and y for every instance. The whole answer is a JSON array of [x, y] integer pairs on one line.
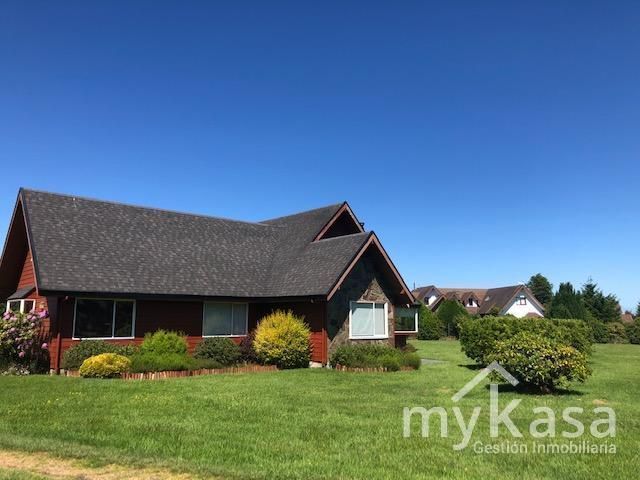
[[363, 283]]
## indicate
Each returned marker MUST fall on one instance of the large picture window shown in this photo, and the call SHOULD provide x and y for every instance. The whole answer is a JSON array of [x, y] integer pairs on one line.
[[102, 318], [224, 319], [368, 320]]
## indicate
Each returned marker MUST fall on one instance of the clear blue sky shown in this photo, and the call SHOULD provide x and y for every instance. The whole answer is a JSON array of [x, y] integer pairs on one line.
[[482, 141]]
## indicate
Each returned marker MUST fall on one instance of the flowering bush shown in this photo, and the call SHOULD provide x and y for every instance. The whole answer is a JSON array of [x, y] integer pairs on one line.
[[20, 338]]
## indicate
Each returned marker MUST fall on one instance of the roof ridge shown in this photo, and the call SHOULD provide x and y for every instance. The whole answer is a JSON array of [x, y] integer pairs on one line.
[[303, 212], [142, 207]]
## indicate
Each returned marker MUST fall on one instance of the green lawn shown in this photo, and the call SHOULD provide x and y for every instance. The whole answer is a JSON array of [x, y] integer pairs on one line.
[[310, 423]]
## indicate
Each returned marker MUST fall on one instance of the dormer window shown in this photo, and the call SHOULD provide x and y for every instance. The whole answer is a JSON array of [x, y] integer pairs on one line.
[[470, 302], [522, 300]]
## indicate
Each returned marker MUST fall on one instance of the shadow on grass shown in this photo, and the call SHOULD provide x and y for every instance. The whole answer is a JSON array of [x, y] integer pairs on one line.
[[529, 390], [472, 366]]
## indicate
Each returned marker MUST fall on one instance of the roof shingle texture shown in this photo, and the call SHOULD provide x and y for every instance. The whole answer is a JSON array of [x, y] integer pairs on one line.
[[83, 245]]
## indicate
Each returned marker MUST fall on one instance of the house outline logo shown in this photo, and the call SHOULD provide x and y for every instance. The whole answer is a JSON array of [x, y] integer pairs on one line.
[[484, 373]]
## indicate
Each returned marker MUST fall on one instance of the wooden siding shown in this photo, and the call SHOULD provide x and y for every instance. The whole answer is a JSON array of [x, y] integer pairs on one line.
[[186, 317]]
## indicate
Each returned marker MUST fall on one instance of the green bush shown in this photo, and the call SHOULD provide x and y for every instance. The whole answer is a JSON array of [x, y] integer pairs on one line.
[[373, 356], [283, 339], [451, 313], [160, 362], [78, 353], [222, 350], [208, 363], [540, 363], [478, 336], [633, 331], [105, 365], [617, 332], [430, 326], [247, 352], [163, 342], [599, 331]]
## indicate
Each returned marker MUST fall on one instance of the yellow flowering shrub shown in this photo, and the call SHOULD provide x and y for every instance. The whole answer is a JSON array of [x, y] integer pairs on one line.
[[105, 365], [283, 339]]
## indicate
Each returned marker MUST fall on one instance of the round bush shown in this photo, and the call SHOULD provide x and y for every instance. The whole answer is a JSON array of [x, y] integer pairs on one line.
[[222, 350], [84, 349], [105, 365], [617, 333], [539, 363], [283, 339], [163, 342], [430, 327]]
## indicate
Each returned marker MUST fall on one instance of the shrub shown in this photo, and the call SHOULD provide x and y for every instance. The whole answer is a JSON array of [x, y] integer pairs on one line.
[[430, 326], [599, 331], [373, 356], [450, 313], [633, 331], [222, 350], [163, 342], [21, 345], [105, 365], [208, 363], [283, 339], [478, 336], [617, 333], [160, 362], [247, 352], [540, 363], [84, 349]]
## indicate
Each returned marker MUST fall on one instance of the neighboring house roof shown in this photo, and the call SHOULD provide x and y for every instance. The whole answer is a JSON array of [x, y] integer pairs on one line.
[[626, 317], [487, 298], [84, 245]]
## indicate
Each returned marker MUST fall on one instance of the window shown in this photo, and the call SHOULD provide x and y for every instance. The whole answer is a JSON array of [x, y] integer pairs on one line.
[[470, 302], [522, 300], [406, 319], [21, 306], [368, 320], [102, 318], [224, 319]]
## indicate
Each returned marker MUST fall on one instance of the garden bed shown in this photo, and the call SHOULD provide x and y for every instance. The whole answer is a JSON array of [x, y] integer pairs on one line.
[[186, 373]]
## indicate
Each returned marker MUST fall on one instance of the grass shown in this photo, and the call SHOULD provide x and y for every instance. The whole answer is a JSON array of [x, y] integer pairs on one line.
[[311, 423]]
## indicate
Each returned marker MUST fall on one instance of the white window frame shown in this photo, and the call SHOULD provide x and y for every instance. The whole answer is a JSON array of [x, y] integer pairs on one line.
[[246, 319], [21, 300], [369, 337], [113, 319], [522, 300], [415, 323]]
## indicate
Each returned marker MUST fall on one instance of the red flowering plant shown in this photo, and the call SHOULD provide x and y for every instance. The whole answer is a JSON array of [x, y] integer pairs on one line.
[[21, 344]]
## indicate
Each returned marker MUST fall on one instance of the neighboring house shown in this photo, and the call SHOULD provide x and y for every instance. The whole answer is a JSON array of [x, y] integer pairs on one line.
[[115, 272], [626, 317], [516, 300]]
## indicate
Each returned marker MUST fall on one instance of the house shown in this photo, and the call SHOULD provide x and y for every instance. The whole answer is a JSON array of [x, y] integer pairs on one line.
[[111, 271], [516, 300]]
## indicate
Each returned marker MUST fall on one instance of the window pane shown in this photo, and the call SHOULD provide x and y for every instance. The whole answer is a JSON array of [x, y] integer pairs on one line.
[[124, 319], [405, 319], [217, 319], [94, 318], [362, 319], [28, 305], [239, 318], [14, 306], [380, 323]]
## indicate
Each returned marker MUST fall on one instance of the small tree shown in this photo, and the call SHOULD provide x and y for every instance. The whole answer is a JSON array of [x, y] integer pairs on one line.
[[430, 327], [450, 312], [541, 288]]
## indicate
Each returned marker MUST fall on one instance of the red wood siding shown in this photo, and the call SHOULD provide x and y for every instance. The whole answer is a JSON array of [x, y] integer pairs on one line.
[[186, 317], [28, 278]]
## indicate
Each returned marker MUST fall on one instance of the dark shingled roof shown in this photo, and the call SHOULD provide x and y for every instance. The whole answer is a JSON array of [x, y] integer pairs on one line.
[[83, 245]]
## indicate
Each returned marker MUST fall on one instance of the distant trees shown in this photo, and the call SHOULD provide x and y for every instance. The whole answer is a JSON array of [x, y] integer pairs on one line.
[[567, 303], [638, 310], [541, 288], [605, 308]]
